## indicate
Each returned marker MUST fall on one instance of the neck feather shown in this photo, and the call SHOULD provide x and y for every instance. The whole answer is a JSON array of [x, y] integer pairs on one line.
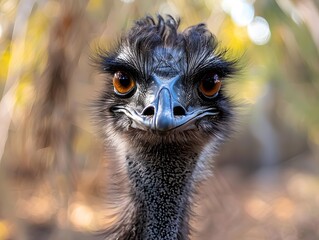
[[161, 186]]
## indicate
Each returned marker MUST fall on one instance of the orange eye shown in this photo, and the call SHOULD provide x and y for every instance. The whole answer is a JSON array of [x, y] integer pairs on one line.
[[123, 83], [209, 87]]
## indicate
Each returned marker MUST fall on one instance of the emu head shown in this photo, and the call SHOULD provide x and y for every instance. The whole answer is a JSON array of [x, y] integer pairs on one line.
[[163, 85]]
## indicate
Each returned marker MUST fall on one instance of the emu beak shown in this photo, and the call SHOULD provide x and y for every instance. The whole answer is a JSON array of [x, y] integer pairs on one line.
[[164, 119], [163, 116]]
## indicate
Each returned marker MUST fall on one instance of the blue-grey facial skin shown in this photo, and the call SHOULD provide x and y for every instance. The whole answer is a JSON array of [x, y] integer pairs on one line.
[[164, 109]]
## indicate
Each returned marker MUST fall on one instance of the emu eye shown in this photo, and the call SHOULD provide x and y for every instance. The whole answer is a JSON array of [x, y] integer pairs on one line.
[[209, 87], [123, 83]]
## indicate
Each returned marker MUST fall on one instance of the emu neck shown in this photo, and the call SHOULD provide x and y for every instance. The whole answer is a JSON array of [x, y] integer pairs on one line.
[[161, 180]]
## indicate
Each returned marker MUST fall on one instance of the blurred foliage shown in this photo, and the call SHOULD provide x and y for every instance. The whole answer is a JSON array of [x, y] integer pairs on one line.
[[55, 184]]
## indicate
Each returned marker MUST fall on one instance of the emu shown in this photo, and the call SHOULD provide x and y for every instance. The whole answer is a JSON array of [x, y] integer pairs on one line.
[[164, 110]]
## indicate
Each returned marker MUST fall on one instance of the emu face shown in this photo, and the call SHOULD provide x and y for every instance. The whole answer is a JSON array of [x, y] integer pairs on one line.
[[161, 83], [164, 108]]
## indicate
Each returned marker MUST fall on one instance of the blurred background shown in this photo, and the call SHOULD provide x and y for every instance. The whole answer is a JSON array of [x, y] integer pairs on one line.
[[53, 174]]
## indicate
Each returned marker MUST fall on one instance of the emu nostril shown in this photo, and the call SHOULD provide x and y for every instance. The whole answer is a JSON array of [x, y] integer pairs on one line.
[[179, 111], [149, 111]]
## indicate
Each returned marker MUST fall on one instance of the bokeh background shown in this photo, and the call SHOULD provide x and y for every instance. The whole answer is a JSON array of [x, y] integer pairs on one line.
[[53, 174]]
